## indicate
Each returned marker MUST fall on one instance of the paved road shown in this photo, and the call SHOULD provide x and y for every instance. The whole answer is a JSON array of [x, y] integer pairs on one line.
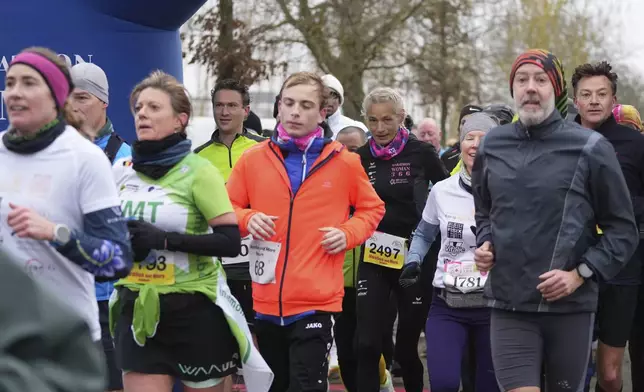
[[337, 386]]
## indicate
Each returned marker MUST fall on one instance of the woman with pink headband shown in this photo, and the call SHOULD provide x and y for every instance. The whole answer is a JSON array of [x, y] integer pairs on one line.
[[59, 209]]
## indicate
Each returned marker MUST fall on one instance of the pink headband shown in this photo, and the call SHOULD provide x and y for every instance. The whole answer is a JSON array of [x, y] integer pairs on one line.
[[55, 78]]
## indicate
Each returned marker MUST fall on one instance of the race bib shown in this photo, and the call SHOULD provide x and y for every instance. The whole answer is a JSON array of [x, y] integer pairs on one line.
[[262, 257], [385, 250], [463, 276], [157, 268], [243, 253]]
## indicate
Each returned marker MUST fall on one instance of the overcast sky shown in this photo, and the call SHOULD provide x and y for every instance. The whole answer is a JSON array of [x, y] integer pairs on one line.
[[633, 33]]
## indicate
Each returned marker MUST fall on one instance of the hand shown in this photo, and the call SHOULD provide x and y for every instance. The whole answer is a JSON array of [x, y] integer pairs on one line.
[[334, 241], [144, 235], [261, 226], [410, 274], [557, 284], [26, 223], [484, 257]]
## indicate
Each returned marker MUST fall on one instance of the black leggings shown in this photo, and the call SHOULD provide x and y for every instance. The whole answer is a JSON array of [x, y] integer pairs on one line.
[[375, 285], [345, 340]]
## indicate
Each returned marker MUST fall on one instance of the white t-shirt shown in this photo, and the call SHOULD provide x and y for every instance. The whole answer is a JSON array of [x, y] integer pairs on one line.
[[452, 208], [68, 179]]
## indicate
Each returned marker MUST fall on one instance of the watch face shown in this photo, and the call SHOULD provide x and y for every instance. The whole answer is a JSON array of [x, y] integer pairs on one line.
[[584, 271], [63, 234]]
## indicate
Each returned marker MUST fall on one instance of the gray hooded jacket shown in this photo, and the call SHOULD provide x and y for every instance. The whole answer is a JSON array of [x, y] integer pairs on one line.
[[539, 194]]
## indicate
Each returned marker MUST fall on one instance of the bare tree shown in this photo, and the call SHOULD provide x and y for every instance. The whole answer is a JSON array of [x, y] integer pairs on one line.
[[228, 47], [630, 89], [351, 38], [574, 30], [445, 63]]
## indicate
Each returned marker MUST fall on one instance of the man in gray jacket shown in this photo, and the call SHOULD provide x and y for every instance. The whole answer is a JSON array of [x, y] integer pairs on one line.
[[541, 188], [44, 345]]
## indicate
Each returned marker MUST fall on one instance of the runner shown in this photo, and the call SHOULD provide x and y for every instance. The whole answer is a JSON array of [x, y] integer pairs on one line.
[[595, 87], [58, 202], [629, 116], [428, 131], [541, 185], [56, 352], [299, 199], [400, 168], [452, 156], [174, 315], [89, 99], [231, 106], [458, 308], [345, 325], [334, 103]]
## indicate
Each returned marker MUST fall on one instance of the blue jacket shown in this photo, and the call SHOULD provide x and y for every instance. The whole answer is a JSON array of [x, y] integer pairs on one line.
[[104, 289]]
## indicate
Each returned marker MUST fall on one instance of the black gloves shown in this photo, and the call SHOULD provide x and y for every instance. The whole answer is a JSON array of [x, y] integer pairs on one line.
[[145, 237], [410, 274]]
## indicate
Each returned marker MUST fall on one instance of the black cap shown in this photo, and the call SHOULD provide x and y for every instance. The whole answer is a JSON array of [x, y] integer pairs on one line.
[[469, 109], [253, 123]]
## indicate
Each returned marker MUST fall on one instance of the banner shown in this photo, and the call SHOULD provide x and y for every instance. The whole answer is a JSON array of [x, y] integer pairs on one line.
[[127, 38]]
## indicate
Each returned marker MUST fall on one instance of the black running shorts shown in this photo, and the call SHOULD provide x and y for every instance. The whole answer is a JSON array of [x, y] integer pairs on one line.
[[193, 341]]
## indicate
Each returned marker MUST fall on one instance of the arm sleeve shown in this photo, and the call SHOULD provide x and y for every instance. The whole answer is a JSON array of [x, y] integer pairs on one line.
[[103, 248], [238, 188], [613, 213], [224, 241], [421, 241], [482, 199], [369, 209]]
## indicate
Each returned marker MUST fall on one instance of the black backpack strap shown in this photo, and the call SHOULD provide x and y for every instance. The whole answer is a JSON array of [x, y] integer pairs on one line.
[[114, 143]]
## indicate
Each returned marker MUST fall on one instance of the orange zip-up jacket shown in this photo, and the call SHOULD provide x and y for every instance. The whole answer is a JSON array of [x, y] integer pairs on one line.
[[306, 276]]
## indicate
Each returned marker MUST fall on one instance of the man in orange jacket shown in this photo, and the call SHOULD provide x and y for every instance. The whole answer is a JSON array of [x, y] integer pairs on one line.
[[293, 194]]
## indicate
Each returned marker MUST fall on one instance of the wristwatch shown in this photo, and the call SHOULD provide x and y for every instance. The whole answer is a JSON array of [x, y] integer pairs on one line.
[[584, 271], [62, 234]]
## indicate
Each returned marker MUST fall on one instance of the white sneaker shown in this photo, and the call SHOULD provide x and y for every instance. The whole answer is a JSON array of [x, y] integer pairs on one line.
[[388, 386], [334, 367]]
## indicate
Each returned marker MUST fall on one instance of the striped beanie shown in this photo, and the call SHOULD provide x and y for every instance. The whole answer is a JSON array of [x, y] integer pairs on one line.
[[551, 64]]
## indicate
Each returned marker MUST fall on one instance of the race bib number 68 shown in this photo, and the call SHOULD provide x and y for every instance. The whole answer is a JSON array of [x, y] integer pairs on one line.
[[262, 257]]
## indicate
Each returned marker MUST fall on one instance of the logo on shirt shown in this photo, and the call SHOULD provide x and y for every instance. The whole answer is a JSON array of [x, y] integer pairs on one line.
[[400, 173], [455, 230], [455, 248], [129, 187], [313, 326]]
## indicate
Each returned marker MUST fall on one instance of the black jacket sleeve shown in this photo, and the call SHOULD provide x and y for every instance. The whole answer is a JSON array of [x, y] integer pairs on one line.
[[613, 213], [482, 199]]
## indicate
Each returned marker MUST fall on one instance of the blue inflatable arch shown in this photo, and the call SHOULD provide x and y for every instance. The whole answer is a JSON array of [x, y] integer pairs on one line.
[[127, 38]]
